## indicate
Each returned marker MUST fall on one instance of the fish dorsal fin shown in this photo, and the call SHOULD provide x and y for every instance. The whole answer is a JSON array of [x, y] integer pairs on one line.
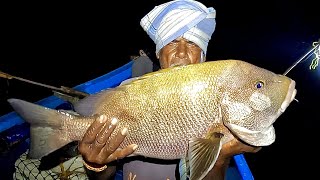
[[128, 81], [150, 75], [202, 155], [89, 104], [172, 69]]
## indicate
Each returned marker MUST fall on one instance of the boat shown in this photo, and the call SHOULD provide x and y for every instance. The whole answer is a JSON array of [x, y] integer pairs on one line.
[[11, 125]]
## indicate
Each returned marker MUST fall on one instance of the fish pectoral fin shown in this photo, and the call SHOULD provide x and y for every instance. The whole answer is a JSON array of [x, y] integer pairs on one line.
[[202, 155]]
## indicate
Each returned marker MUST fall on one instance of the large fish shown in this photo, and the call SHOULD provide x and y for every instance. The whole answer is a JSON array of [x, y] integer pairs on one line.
[[185, 112]]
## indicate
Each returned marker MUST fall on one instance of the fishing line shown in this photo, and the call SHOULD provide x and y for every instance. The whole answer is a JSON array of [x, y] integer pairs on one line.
[[315, 50]]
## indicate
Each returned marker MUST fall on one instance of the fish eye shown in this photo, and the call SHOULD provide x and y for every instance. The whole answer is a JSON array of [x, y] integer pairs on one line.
[[259, 84]]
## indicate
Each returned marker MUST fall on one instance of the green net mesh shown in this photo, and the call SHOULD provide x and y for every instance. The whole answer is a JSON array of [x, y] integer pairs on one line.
[[26, 168]]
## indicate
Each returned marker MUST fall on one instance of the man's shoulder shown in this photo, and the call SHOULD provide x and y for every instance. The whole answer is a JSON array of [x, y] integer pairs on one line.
[[143, 65]]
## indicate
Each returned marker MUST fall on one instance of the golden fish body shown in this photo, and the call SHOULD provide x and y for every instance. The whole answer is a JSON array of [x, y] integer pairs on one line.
[[164, 110], [168, 110]]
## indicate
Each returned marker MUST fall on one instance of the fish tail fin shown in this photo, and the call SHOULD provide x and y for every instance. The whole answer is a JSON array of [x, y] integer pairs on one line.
[[46, 134]]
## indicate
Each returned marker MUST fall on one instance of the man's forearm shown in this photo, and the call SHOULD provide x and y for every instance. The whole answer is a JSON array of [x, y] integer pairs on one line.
[[218, 172]]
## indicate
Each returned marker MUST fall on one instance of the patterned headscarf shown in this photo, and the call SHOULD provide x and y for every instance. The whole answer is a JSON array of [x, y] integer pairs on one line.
[[180, 18]]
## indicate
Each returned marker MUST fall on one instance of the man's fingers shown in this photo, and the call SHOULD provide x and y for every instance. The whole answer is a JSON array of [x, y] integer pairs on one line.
[[119, 154], [113, 145], [126, 151], [117, 140], [94, 129], [105, 133], [103, 137]]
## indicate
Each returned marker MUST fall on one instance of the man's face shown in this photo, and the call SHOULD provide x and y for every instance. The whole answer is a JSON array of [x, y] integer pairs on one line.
[[179, 52]]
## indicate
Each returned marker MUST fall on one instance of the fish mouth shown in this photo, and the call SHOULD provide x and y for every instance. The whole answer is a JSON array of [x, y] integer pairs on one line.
[[292, 92], [267, 135]]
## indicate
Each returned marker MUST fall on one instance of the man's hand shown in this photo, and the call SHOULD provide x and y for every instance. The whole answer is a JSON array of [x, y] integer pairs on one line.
[[228, 150], [235, 147], [98, 147]]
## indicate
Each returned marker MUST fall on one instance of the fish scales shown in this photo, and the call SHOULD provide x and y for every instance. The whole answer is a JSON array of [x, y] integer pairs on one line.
[[176, 113]]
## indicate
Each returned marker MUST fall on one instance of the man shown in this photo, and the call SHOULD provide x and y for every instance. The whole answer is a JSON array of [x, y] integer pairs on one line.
[[181, 30]]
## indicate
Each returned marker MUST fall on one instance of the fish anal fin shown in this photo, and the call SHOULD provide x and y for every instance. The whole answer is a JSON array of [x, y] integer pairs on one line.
[[184, 169], [202, 155]]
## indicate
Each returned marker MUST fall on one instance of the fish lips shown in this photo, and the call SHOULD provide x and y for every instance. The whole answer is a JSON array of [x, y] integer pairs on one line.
[[255, 138]]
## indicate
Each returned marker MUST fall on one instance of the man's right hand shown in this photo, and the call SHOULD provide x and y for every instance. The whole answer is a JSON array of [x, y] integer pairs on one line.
[[97, 146]]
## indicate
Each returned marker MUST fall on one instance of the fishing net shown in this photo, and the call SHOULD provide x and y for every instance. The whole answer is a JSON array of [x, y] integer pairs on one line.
[[69, 170]]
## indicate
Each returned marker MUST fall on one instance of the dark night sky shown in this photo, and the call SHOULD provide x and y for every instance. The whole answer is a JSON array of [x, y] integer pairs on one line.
[[67, 44]]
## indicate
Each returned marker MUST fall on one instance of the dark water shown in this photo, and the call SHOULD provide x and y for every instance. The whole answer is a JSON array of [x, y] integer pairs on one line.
[[67, 44]]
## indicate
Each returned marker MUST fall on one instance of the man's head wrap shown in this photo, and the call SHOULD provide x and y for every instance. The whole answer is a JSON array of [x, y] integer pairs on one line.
[[180, 18]]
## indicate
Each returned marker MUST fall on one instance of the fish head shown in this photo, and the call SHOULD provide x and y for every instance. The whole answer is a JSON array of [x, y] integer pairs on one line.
[[253, 98]]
